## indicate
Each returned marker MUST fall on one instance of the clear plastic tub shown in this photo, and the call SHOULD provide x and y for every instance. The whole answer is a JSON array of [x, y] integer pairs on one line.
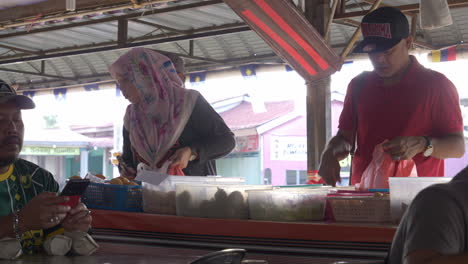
[[291, 204], [404, 189], [161, 199], [214, 201]]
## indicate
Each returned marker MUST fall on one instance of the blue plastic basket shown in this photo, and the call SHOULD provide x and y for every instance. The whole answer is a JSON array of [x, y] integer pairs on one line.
[[113, 197]]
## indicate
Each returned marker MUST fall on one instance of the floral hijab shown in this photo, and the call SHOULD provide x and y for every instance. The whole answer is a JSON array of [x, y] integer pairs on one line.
[[156, 123]]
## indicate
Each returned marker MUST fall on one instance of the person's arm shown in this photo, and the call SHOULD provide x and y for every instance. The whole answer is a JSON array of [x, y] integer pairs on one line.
[[337, 149], [127, 154], [339, 146], [448, 139], [405, 148], [216, 139], [449, 146], [127, 166], [6, 226]]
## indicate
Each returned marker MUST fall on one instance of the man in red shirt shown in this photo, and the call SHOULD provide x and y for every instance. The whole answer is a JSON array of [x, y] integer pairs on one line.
[[416, 109]]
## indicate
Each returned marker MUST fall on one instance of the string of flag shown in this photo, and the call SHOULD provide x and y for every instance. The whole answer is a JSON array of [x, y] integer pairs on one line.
[[249, 71], [449, 54]]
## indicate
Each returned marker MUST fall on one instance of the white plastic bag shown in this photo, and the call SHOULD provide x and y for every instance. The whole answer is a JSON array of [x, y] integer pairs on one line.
[[434, 14], [376, 175], [153, 176], [58, 245], [10, 248], [82, 243], [93, 178]]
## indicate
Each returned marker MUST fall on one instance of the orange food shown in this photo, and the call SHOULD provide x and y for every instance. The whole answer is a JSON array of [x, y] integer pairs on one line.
[[124, 180], [100, 176], [75, 177], [132, 183], [116, 181]]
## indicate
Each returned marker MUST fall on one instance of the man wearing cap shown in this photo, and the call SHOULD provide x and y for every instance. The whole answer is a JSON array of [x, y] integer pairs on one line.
[[29, 205], [416, 109]]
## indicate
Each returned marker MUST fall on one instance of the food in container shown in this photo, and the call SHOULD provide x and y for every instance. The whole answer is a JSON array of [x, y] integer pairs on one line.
[[291, 204], [161, 199], [214, 201]]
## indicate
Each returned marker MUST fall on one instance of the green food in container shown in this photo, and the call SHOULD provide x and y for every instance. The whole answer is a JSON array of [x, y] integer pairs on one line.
[[287, 204]]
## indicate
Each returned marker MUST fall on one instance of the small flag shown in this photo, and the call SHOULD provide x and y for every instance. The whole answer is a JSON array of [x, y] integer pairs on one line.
[[91, 87], [449, 54], [29, 94], [248, 71], [60, 93], [197, 78]]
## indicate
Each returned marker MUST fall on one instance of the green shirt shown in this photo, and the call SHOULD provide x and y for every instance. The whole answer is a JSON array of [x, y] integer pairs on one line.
[[22, 182]]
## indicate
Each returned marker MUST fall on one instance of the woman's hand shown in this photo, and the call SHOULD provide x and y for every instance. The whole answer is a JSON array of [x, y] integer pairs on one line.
[[125, 170], [128, 172], [43, 211], [181, 158], [78, 219]]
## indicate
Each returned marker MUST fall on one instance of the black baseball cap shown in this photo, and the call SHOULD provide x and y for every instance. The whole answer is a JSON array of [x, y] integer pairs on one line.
[[8, 94], [382, 29]]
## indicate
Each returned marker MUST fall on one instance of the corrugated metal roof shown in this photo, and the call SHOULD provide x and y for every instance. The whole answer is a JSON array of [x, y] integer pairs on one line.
[[241, 46], [15, 3]]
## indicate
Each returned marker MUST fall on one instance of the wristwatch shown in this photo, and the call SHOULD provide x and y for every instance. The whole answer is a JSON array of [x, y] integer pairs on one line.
[[429, 147]]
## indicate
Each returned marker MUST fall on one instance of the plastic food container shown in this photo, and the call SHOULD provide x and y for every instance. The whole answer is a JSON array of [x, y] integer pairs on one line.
[[161, 199], [113, 197], [214, 201], [404, 189], [291, 204], [360, 208]]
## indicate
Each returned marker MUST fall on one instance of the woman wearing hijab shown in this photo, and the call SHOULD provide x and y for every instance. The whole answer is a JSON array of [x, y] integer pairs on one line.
[[166, 122]]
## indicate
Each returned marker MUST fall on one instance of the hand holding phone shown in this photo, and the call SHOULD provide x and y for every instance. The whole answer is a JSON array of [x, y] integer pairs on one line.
[[74, 189]]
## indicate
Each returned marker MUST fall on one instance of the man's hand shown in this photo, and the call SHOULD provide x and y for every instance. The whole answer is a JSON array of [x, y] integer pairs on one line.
[[43, 211], [181, 158], [78, 219], [404, 148], [330, 167], [337, 149]]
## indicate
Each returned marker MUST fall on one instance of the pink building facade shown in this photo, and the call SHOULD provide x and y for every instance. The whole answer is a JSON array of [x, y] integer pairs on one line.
[[285, 149]]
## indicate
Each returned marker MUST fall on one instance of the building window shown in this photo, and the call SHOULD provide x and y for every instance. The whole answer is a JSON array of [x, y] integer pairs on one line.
[[302, 177], [291, 177], [295, 177], [267, 176]]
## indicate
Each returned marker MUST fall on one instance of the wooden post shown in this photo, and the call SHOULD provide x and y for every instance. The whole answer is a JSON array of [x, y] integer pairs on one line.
[[330, 21], [414, 25], [318, 92], [122, 32]]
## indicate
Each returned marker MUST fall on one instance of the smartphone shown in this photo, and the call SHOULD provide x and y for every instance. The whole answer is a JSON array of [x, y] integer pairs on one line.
[[74, 189]]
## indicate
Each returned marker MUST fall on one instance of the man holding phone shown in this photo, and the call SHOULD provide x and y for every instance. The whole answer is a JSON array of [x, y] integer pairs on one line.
[[29, 204]]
